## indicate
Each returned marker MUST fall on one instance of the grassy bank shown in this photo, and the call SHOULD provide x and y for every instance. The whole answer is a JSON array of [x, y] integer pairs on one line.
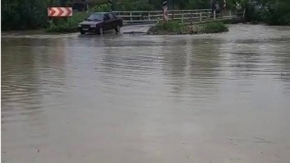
[[175, 28]]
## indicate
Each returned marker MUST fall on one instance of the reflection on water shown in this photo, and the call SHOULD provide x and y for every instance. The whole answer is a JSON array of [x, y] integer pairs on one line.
[[119, 98]]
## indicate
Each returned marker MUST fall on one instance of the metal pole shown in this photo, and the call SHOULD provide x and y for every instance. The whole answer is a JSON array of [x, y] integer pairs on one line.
[[149, 16], [130, 17], [182, 18], [191, 23], [200, 16]]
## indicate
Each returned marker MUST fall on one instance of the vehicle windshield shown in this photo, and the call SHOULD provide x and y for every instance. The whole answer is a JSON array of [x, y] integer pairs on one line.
[[95, 17]]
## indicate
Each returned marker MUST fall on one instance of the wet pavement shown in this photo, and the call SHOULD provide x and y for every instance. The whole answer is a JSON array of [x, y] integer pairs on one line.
[[212, 98]]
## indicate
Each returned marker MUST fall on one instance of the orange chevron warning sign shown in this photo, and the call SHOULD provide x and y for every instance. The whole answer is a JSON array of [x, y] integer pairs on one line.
[[59, 11]]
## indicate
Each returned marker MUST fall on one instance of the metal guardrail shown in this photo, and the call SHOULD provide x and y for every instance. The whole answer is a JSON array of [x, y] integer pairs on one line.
[[183, 16]]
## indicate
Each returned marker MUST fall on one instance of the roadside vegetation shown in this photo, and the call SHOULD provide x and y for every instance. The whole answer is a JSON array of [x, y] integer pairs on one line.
[[66, 25], [32, 14], [176, 28], [271, 12]]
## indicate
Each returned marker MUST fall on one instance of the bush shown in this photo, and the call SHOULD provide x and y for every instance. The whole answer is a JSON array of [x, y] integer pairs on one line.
[[130, 5], [277, 14], [101, 8], [171, 26], [271, 12], [214, 27], [196, 4], [23, 15]]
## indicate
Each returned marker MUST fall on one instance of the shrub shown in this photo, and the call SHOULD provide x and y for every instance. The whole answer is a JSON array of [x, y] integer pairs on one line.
[[130, 5], [17, 15], [101, 8], [171, 26]]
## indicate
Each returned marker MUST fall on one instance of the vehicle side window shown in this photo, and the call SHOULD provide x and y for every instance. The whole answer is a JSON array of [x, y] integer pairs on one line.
[[111, 16], [106, 17]]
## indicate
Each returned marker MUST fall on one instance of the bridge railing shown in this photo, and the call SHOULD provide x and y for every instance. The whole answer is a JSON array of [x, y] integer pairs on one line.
[[182, 16]]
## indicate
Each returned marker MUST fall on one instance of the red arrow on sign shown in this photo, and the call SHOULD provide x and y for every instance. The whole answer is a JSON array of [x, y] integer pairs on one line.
[[69, 12], [59, 11], [53, 11]]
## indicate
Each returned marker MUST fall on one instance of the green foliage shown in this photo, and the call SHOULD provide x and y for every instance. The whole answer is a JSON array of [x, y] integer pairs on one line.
[[23, 14], [171, 26], [130, 5], [63, 28], [197, 4], [101, 8], [214, 27], [277, 13], [273, 12]]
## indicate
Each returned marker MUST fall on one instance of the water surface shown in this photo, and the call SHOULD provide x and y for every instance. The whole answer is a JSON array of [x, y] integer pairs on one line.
[[131, 98]]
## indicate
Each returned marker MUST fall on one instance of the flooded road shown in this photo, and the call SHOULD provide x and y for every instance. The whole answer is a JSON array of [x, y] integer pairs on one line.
[[218, 98]]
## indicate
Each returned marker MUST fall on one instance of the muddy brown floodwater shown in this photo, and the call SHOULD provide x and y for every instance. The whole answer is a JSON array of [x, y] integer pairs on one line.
[[217, 98]]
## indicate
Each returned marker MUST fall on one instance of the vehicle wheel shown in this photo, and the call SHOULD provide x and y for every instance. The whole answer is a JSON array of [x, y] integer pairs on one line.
[[101, 31], [117, 29], [82, 32]]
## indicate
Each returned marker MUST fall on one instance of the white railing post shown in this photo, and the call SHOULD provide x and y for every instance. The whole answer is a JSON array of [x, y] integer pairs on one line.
[[182, 18], [149, 16], [200, 16], [230, 13], [131, 17], [214, 14], [244, 12]]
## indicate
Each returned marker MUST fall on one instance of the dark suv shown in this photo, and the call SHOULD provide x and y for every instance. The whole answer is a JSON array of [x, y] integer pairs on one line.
[[99, 22]]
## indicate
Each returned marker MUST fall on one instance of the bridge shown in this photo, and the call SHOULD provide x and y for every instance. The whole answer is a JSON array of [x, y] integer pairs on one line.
[[145, 19], [182, 16]]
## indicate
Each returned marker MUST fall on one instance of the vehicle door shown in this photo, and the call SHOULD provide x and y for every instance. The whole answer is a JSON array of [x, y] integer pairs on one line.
[[112, 21], [107, 22]]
